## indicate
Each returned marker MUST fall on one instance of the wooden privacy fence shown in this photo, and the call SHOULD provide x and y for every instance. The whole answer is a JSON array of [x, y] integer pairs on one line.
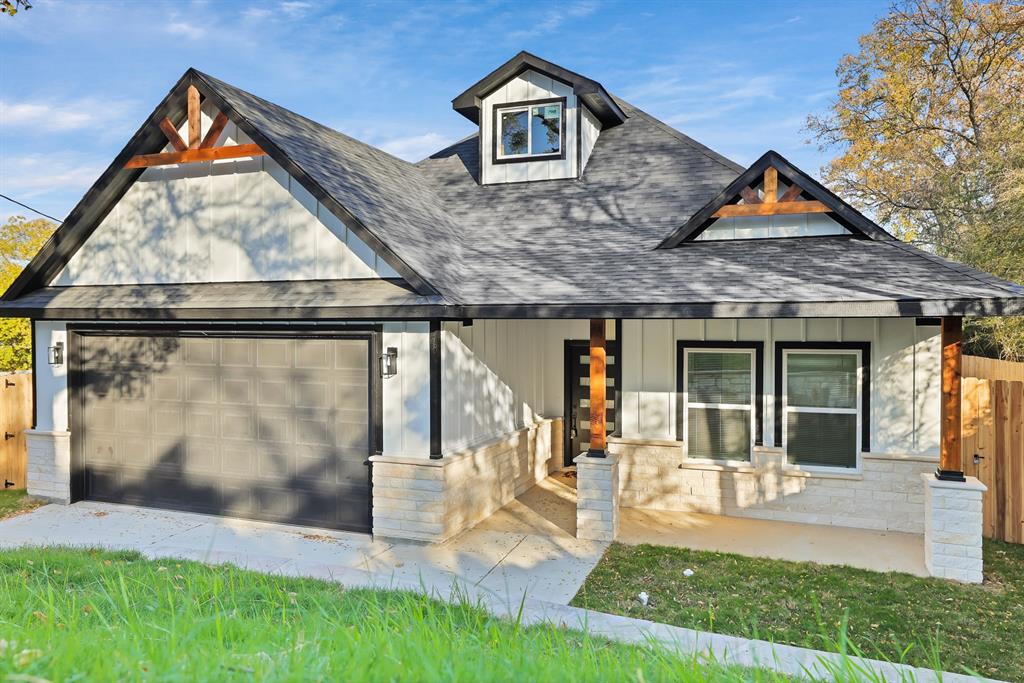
[[991, 368], [15, 418], [993, 451]]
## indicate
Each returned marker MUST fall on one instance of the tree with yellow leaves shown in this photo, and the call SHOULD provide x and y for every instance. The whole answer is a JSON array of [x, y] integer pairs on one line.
[[929, 129], [20, 239]]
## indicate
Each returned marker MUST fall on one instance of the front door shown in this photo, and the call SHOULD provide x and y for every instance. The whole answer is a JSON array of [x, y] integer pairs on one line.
[[577, 394]]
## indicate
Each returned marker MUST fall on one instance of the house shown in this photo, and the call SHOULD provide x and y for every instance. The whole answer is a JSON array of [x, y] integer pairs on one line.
[[252, 314]]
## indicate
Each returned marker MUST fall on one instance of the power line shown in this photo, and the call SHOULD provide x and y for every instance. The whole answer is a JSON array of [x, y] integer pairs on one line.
[[26, 206]]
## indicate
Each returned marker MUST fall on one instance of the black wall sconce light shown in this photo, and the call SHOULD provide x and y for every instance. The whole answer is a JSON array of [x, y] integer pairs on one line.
[[55, 354], [389, 363]]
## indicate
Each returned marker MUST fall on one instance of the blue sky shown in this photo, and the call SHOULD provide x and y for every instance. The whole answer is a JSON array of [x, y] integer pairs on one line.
[[78, 78]]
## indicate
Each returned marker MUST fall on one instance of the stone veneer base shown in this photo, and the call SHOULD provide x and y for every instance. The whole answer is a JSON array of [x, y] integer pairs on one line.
[[49, 465], [597, 497], [426, 500], [886, 494], [953, 528]]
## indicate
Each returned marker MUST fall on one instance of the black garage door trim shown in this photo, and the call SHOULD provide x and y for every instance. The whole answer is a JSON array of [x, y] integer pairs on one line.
[[370, 333]]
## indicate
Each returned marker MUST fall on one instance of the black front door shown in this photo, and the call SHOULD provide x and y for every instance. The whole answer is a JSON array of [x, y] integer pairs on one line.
[[577, 394]]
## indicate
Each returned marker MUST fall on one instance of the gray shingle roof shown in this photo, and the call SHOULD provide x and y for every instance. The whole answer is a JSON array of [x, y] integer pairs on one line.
[[583, 247], [306, 299], [592, 242]]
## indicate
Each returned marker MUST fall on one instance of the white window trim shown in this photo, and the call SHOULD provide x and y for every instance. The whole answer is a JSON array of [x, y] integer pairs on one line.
[[735, 406], [529, 130], [786, 409]]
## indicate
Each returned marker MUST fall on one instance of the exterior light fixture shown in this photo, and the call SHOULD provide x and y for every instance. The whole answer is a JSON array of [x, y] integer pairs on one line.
[[389, 363], [55, 353]]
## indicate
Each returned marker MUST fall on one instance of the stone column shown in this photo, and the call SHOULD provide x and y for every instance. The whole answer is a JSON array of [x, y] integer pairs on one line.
[[952, 528], [49, 465], [597, 502]]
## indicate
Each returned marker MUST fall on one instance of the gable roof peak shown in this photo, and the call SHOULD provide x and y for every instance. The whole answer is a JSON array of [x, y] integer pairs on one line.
[[592, 93], [740, 188]]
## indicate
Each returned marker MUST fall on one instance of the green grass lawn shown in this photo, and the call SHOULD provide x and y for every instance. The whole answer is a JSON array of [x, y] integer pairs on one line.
[[14, 502], [898, 617], [98, 616]]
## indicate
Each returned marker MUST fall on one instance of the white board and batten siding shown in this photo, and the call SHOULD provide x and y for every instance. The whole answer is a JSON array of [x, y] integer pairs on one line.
[[529, 86], [905, 373], [231, 220], [502, 375], [406, 395], [591, 128]]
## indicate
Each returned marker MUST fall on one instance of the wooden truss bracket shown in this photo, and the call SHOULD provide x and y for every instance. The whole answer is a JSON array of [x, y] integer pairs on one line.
[[771, 204], [198, 148]]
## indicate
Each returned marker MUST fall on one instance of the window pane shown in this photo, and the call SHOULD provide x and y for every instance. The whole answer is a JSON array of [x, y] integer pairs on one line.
[[821, 439], [718, 377], [546, 122], [717, 433], [822, 380], [513, 133]]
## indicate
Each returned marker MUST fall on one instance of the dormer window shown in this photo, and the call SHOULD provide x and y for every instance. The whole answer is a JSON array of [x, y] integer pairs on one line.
[[529, 131]]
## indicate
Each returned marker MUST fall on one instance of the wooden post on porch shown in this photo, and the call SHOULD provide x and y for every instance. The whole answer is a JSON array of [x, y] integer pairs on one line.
[[950, 459], [598, 371]]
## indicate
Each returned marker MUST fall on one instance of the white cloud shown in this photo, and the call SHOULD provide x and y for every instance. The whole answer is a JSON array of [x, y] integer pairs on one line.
[[37, 175], [256, 13], [295, 8], [414, 147], [31, 117], [554, 19], [185, 29]]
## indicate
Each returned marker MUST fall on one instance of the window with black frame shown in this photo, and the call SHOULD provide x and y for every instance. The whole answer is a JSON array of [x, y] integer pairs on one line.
[[529, 130], [719, 398], [822, 407]]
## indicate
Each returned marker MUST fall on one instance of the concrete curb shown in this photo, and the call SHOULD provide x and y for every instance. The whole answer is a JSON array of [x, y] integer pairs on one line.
[[722, 649]]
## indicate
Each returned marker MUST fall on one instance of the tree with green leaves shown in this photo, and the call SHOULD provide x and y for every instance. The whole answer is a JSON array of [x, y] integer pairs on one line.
[[20, 239], [929, 132], [12, 7]]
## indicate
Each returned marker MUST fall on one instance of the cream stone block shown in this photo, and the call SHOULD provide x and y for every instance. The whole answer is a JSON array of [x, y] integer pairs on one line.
[[432, 500], [49, 465], [953, 528], [597, 507], [885, 494]]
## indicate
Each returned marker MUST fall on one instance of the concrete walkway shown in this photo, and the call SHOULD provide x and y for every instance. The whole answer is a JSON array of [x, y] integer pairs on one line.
[[491, 560], [521, 563]]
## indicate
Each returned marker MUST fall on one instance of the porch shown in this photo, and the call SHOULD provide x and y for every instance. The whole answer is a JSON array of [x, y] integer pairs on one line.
[[828, 428], [549, 509]]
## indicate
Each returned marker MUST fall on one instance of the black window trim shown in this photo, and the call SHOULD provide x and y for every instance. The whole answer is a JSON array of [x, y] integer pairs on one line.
[[865, 383], [683, 345], [495, 159]]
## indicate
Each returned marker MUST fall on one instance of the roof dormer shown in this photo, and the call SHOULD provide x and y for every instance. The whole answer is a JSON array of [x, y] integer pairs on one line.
[[537, 120]]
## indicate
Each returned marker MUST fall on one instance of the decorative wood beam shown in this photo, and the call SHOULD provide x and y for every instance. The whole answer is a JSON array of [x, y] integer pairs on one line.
[[766, 209], [598, 375], [750, 195], [771, 185], [216, 128], [951, 466], [172, 135], [791, 194], [193, 155], [194, 117]]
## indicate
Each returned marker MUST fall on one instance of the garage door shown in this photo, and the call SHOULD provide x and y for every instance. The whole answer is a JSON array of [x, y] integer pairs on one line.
[[273, 429]]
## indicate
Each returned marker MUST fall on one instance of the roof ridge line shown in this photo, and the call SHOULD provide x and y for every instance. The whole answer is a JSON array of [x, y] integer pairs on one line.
[[683, 137], [207, 77]]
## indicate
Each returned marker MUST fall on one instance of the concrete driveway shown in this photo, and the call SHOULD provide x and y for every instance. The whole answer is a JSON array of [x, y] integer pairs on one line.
[[497, 560]]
